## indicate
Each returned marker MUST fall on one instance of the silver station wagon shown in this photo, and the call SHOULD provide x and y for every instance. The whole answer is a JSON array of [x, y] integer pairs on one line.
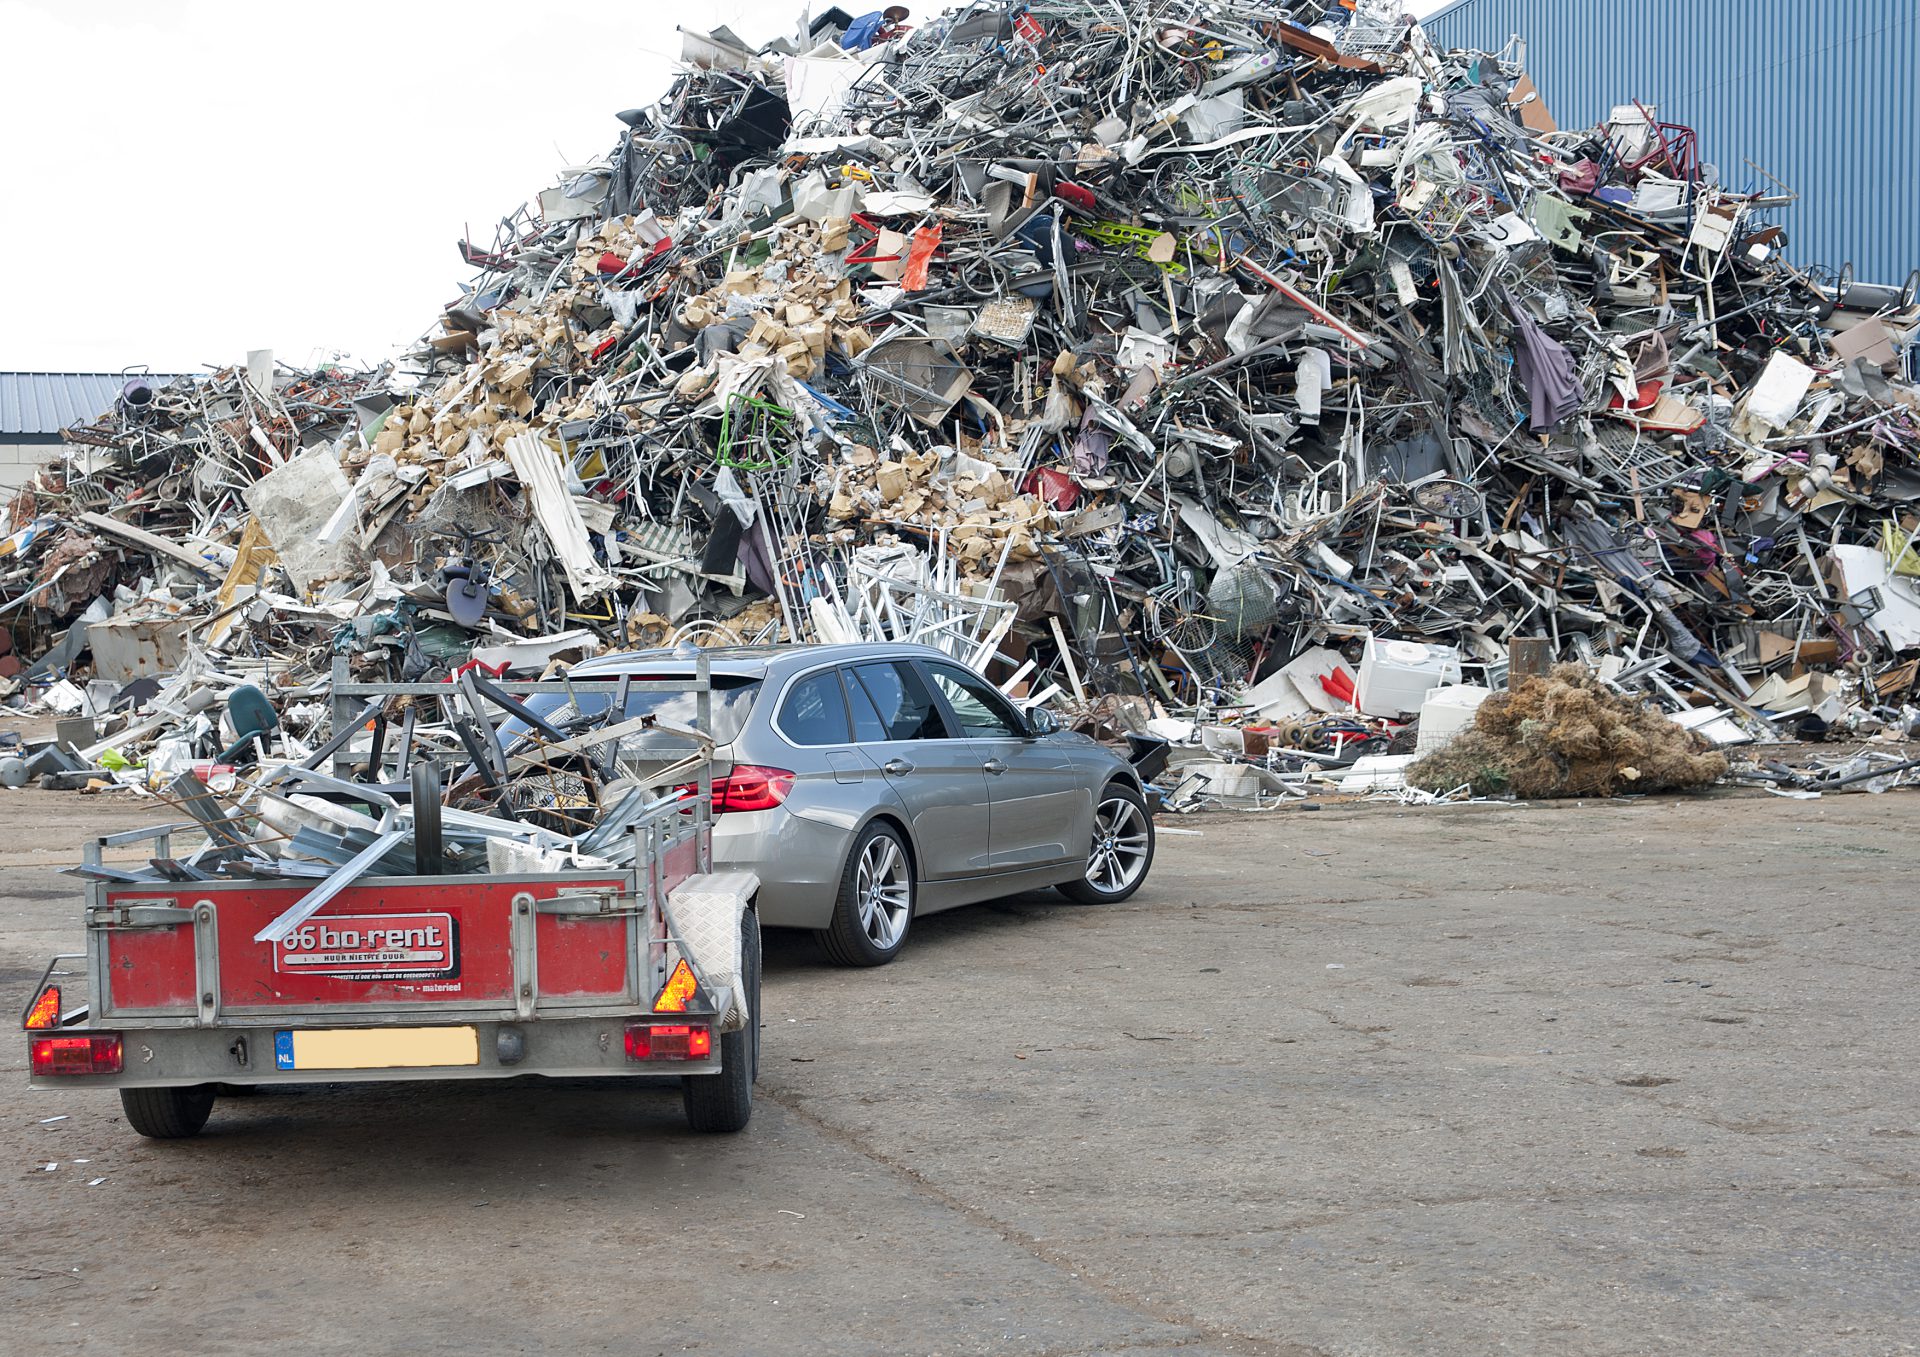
[[870, 784]]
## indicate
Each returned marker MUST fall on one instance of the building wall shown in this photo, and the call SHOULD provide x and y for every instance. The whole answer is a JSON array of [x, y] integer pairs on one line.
[[1822, 94], [20, 458]]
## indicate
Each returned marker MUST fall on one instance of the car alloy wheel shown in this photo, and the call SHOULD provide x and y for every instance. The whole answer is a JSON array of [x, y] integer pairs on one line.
[[883, 890], [1120, 851]]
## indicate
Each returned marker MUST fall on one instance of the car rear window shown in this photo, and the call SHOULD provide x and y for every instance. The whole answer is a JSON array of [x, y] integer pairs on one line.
[[814, 712]]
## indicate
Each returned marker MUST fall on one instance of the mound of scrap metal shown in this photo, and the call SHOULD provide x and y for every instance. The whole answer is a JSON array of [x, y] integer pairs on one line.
[[1240, 369]]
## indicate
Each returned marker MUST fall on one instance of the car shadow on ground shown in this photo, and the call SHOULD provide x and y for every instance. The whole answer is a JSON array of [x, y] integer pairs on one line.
[[792, 950]]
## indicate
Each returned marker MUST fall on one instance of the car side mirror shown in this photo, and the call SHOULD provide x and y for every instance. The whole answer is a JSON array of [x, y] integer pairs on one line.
[[1041, 721]]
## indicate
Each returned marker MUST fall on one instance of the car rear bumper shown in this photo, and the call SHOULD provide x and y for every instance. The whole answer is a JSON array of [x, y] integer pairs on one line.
[[798, 858]]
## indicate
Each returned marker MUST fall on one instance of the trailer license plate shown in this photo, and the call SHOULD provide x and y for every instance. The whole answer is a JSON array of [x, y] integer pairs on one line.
[[371, 947], [376, 1048]]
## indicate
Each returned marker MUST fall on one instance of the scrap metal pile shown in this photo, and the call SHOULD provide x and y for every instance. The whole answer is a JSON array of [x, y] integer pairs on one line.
[[1164, 359]]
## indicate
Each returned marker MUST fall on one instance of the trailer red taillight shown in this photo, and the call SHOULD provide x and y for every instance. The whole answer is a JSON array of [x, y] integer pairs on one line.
[[98, 1053], [671, 1042], [44, 1016]]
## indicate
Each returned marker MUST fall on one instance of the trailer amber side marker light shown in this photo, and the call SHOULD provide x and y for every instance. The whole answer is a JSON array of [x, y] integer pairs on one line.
[[680, 987], [44, 1016], [95, 1054]]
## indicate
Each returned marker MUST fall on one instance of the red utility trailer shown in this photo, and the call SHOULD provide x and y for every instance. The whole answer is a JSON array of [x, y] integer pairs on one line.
[[646, 972]]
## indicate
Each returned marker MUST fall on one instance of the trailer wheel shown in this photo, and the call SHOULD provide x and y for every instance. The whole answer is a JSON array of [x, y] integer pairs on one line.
[[724, 1101], [167, 1113]]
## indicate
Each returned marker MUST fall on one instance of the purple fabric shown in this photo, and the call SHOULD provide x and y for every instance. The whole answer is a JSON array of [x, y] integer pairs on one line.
[[1091, 447], [756, 555], [1546, 368]]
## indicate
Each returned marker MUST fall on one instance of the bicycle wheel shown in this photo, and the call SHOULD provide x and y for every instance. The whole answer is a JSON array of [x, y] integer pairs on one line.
[[1449, 499]]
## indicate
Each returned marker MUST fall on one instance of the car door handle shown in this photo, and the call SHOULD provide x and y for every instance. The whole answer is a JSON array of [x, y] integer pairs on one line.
[[994, 766], [897, 767]]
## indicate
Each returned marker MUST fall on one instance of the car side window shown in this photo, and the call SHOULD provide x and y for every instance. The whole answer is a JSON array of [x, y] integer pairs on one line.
[[976, 704], [814, 712], [868, 728], [906, 707]]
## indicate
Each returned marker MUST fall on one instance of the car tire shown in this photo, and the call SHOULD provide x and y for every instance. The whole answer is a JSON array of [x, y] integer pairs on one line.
[[1121, 853], [167, 1113], [873, 911], [723, 1103]]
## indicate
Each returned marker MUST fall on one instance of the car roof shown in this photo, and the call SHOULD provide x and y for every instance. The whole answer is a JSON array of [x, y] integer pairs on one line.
[[748, 661]]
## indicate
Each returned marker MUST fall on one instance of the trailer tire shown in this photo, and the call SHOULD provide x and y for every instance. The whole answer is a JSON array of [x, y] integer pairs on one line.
[[723, 1102], [167, 1113]]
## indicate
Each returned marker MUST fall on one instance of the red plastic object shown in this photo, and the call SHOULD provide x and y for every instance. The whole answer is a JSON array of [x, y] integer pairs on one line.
[[1081, 198], [611, 263], [920, 251], [1338, 685], [1056, 488], [1647, 393]]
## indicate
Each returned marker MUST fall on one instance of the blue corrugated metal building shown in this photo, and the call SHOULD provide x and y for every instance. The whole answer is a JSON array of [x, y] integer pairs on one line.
[[1824, 95]]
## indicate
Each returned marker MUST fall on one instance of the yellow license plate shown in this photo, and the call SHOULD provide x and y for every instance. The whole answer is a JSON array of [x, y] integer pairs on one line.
[[376, 1048]]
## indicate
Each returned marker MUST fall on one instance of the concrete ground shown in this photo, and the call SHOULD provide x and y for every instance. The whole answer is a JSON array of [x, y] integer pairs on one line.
[[1618, 1079]]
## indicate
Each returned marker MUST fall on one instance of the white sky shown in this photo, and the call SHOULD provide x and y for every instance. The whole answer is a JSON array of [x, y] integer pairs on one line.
[[183, 180]]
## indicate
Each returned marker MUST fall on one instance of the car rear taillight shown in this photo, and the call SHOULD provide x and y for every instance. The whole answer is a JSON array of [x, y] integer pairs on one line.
[[98, 1053], [748, 787], [671, 1042], [44, 1015]]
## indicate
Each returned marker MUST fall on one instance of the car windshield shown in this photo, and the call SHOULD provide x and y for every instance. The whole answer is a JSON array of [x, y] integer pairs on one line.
[[733, 696]]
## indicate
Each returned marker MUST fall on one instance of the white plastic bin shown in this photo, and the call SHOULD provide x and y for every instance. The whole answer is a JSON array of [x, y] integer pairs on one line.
[[1396, 676]]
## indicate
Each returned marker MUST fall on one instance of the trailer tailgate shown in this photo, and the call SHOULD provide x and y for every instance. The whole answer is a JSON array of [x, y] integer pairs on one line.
[[393, 946]]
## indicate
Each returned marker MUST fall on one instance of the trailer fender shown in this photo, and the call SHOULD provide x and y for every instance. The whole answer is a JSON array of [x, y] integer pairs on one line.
[[704, 913]]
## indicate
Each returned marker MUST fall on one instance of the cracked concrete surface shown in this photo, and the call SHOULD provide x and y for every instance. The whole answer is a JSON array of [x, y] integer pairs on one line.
[[1618, 1079]]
